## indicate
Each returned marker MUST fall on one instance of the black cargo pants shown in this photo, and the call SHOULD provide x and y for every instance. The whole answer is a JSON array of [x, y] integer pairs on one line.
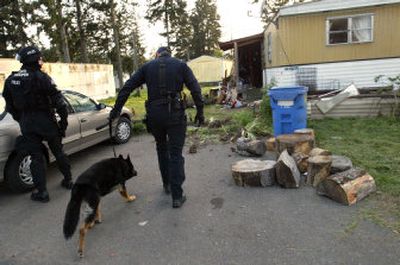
[[37, 128], [168, 126]]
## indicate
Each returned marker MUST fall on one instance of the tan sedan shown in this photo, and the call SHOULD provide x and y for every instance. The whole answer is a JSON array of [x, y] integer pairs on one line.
[[86, 119]]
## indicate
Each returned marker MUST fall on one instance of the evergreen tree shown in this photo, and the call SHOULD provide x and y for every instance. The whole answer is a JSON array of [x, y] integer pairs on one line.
[[13, 21], [54, 19], [182, 33], [206, 28], [82, 37], [170, 13]]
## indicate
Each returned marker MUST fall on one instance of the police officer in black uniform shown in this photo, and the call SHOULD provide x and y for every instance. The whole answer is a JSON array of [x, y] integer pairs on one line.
[[32, 99], [165, 114]]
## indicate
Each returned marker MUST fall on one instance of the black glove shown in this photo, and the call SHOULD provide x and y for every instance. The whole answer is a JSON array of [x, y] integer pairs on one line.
[[199, 118], [62, 126], [114, 114]]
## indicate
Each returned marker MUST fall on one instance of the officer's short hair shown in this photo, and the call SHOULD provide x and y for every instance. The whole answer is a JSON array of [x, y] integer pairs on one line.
[[29, 54], [163, 51]]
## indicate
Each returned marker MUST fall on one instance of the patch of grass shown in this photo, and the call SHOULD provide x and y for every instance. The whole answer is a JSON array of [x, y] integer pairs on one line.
[[136, 101], [139, 127], [371, 143]]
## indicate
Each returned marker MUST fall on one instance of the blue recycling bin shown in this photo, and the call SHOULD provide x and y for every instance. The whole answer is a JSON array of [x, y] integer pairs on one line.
[[289, 108]]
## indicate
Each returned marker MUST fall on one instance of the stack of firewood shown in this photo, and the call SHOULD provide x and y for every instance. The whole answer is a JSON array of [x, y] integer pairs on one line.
[[300, 162]]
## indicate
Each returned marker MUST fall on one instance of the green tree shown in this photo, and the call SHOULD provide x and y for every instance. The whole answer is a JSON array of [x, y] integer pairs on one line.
[[183, 34], [170, 13], [82, 36], [13, 22], [206, 28], [54, 18]]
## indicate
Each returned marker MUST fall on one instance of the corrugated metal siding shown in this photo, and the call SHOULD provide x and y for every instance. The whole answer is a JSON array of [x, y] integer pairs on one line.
[[329, 5], [354, 107], [339, 75], [301, 39]]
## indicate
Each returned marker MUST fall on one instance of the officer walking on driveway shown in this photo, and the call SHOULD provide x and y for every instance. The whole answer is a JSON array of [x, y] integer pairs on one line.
[[165, 114], [31, 97]]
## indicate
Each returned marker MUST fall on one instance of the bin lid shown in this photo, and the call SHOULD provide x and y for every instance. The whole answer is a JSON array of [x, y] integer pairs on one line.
[[287, 93]]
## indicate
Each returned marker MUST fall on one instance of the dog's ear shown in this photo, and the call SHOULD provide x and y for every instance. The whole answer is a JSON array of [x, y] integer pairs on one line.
[[120, 156], [128, 158]]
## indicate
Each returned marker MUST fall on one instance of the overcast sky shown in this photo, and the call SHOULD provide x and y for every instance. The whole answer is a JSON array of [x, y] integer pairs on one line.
[[235, 22]]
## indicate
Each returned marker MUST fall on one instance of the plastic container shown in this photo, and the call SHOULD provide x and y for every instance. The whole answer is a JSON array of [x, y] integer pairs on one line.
[[289, 109]]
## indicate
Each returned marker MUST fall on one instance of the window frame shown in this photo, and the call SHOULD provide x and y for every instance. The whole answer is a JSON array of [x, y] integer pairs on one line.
[[79, 95], [349, 29]]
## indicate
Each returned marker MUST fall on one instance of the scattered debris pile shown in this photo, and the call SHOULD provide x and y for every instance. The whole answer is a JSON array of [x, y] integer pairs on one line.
[[300, 163]]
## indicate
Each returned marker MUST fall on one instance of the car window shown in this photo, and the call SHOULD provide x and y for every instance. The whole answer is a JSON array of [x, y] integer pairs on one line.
[[80, 103]]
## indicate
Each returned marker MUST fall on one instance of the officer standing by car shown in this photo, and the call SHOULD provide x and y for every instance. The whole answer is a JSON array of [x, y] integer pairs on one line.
[[165, 114], [31, 97]]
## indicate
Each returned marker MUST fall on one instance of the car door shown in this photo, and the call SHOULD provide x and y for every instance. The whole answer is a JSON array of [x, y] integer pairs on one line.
[[91, 116], [73, 134]]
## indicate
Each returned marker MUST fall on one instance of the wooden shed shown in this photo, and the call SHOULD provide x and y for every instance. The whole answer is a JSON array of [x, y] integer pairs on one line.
[[248, 59], [329, 44], [209, 69]]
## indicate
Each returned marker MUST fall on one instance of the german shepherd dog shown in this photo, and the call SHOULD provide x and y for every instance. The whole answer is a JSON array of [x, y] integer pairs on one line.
[[96, 182]]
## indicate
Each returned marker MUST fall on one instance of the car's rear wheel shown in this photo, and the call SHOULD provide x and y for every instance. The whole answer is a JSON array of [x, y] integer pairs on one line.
[[123, 131], [18, 173]]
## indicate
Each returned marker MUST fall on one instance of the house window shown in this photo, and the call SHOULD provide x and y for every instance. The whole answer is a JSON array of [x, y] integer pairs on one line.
[[354, 29]]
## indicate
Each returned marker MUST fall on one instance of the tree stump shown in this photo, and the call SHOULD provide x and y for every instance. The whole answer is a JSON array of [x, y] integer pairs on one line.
[[320, 152], [295, 143], [253, 147], [347, 187], [250, 172], [287, 173], [306, 131], [340, 164], [319, 168], [301, 161]]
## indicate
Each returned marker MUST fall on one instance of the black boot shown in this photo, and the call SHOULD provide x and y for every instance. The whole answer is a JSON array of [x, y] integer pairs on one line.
[[177, 203], [67, 184], [40, 196]]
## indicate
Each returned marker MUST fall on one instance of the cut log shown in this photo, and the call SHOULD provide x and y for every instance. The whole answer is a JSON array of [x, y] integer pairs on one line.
[[301, 161], [271, 144], [347, 187], [250, 172], [253, 147], [306, 131], [319, 168], [287, 173], [320, 152], [295, 143], [340, 164]]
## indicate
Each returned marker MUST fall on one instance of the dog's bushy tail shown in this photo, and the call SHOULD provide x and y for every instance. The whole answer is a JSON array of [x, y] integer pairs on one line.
[[73, 211]]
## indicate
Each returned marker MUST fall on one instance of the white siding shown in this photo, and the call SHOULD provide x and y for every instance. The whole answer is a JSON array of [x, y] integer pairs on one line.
[[331, 5], [339, 75]]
